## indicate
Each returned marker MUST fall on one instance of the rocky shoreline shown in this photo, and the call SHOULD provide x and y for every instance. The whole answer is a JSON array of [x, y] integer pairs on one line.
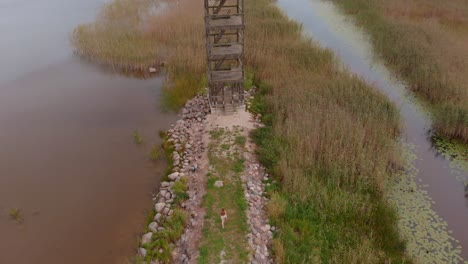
[[190, 138]]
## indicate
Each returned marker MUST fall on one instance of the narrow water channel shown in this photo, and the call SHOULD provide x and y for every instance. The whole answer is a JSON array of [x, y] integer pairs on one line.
[[434, 174], [67, 157]]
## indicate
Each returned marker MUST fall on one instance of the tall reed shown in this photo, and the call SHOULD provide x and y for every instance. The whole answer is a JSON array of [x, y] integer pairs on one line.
[[425, 43]]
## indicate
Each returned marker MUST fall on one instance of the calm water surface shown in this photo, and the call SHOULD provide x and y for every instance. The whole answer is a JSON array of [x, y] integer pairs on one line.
[[67, 159], [331, 29]]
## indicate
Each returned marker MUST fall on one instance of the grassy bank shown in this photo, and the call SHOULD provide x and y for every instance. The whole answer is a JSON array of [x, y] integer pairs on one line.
[[329, 139], [425, 43], [161, 245]]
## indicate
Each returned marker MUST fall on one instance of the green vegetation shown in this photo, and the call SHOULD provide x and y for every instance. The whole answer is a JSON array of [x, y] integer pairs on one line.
[[160, 248], [155, 152], [240, 140], [15, 214], [425, 43], [137, 139], [227, 244]]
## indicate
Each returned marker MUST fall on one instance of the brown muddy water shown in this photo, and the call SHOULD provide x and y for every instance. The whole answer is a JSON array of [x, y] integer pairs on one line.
[[437, 180], [67, 157]]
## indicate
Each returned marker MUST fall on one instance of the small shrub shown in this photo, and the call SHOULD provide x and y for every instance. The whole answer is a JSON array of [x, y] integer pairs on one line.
[[276, 206]]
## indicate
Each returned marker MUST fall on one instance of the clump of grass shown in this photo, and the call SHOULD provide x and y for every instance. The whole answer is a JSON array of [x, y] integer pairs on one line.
[[424, 43], [240, 140], [276, 206], [15, 214], [216, 133], [160, 248], [155, 152], [137, 138], [238, 165], [278, 250], [180, 190]]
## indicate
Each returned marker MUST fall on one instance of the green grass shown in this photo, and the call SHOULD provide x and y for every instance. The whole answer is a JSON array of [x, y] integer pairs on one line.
[[240, 140], [231, 240]]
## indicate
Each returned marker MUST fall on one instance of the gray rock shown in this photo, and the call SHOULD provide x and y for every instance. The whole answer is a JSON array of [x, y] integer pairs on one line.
[[157, 217], [165, 184], [266, 228], [159, 207], [173, 176], [153, 226], [142, 252], [165, 211], [146, 238], [219, 184]]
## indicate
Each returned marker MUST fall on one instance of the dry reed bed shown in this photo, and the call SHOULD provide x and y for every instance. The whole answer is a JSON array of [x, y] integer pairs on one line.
[[137, 34], [329, 138], [425, 42]]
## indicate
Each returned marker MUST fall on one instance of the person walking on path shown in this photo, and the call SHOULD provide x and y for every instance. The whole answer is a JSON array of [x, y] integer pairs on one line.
[[223, 217]]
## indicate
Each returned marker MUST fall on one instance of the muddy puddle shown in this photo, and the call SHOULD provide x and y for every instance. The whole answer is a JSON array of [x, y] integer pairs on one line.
[[430, 196], [67, 157]]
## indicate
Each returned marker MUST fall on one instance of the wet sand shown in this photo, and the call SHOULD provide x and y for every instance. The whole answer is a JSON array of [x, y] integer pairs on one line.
[[67, 157]]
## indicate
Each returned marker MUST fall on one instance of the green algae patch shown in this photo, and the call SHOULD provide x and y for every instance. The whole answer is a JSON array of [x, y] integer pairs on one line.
[[426, 233], [457, 154]]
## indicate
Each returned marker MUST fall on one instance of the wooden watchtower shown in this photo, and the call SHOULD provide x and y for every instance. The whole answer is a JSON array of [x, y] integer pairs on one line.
[[224, 22]]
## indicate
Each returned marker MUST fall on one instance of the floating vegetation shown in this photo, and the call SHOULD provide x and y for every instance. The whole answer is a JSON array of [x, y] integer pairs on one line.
[[137, 139], [457, 154], [16, 215], [428, 240], [155, 152]]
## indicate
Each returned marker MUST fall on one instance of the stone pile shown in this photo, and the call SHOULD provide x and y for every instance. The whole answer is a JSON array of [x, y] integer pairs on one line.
[[261, 233], [187, 138]]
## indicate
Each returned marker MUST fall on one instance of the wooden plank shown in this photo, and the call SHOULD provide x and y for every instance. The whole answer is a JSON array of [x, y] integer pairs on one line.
[[227, 76], [231, 22], [232, 51]]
